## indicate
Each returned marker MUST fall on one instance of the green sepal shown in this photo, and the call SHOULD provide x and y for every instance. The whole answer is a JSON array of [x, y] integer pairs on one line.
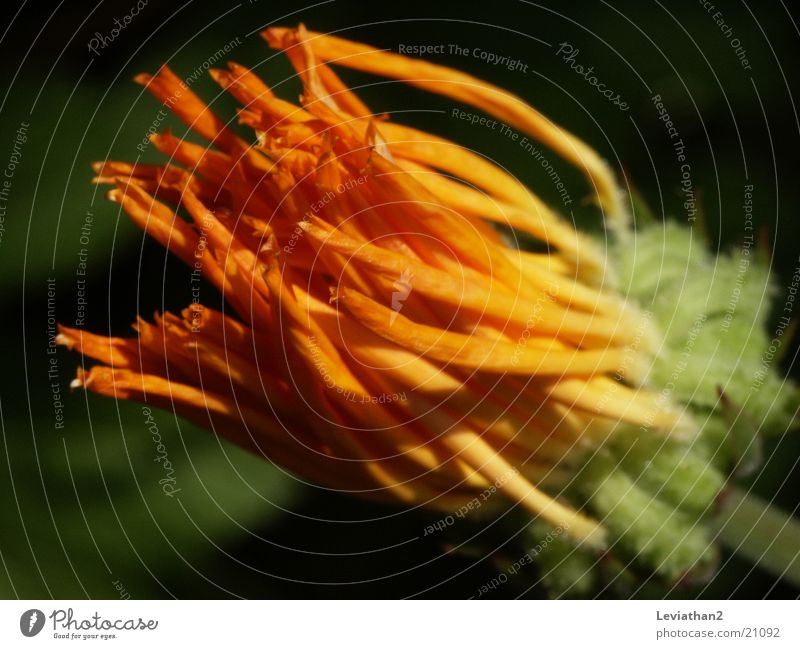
[[674, 472], [650, 531]]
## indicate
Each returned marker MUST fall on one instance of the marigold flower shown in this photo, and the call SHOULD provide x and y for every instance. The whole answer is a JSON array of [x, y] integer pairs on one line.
[[388, 339]]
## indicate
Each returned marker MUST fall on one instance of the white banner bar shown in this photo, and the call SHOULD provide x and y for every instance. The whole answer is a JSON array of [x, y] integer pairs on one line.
[[400, 625]]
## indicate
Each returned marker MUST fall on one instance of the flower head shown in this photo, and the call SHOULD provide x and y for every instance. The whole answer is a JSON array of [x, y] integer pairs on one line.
[[388, 339]]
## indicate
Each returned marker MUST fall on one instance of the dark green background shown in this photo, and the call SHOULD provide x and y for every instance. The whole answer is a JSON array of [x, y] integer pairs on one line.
[[82, 507]]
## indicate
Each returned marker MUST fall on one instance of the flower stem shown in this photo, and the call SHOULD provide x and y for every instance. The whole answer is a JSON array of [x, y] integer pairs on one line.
[[758, 531]]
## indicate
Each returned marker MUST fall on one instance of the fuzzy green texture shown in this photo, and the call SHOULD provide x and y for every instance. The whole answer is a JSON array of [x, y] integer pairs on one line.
[[674, 472], [654, 533], [713, 312], [719, 359], [566, 571]]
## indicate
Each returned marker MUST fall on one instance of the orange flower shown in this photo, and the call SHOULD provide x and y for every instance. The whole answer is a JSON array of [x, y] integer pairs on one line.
[[388, 340]]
